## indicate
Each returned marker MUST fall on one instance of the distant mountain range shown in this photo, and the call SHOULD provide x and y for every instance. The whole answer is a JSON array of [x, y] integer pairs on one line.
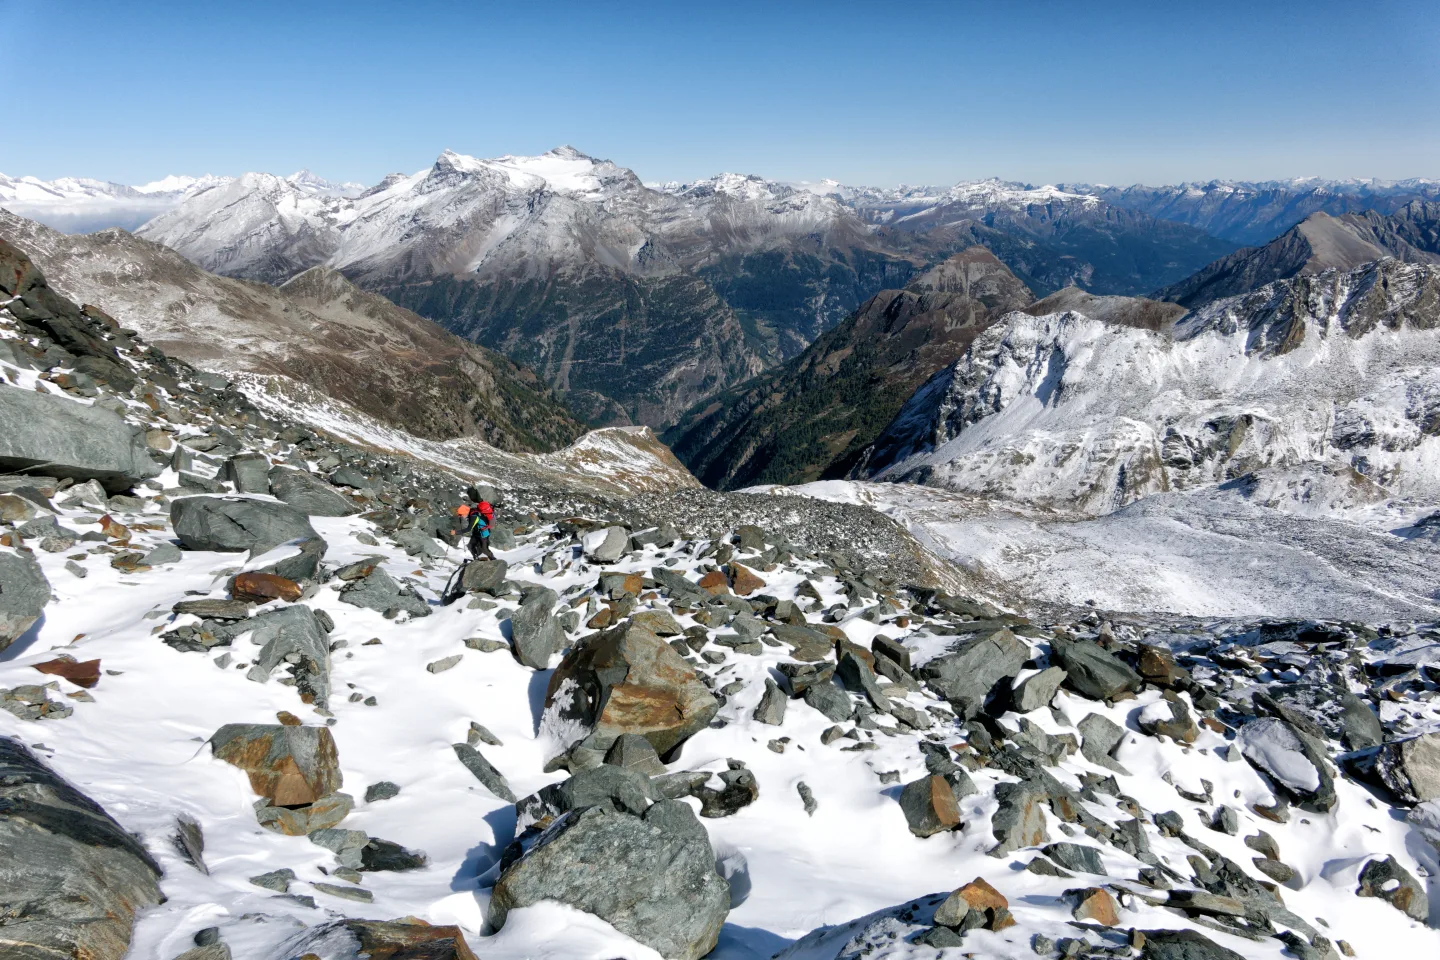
[[1254, 212], [640, 303]]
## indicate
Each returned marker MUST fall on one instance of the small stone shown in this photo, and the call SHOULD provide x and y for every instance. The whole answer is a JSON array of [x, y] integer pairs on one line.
[[807, 797], [771, 710], [384, 790], [492, 779], [277, 880], [480, 734], [445, 663], [358, 894]]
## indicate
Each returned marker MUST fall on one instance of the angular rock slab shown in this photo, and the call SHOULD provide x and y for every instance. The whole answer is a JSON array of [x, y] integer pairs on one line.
[[627, 680], [71, 879], [24, 591], [289, 766], [286, 633], [378, 940], [70, 439], [233, 524], [535, 630], [308, 494], [653, 877], [966, 675]]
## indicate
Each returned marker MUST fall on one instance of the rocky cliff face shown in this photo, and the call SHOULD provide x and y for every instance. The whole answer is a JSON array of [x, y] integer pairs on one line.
[[810, 416], [1332, 373], [318, 330]]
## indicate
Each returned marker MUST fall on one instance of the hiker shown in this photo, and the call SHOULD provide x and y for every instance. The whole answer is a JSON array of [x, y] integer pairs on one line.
[[476, 520]]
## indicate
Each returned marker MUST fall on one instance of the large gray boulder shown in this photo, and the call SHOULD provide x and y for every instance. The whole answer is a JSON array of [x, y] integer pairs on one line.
[[1411, 768], [24, 591], [65, 438], [967, 674], [309, 494], [232, 524], [1092, 671], [71, 879], [652, 877]]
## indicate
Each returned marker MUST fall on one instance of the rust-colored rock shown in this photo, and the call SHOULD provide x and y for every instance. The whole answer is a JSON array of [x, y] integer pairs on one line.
[[287, 719], [980, 895], [288, 765], [1096, 905], [1158, 666], [714, 583], [114, 529], [82, 673], [405, 939], [744, 581], [602, 618], [929, 806], [260, 587], [627, 680]]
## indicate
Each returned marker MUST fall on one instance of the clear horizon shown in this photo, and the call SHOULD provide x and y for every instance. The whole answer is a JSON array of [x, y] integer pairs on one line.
[[918, 93]]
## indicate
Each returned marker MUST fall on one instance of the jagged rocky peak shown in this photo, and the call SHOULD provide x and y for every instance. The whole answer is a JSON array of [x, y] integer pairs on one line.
[[974, 272]]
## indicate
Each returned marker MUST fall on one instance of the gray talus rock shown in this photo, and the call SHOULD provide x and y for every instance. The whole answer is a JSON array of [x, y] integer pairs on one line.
[[24, 591], [606, 545], [1092, 671], [293, 636], [71, 879], [249, 472], [627, 680], [1394, 884], [1183, 945], [966, 675], [1411, 768], [1292, 762], [1039, 689], [69, 439], [308, 494], [771, 709], [484, 771], [483, 576], [379, 591], [651, 877], [1102, 736], [376, 940], [536, 633], [232, 524]]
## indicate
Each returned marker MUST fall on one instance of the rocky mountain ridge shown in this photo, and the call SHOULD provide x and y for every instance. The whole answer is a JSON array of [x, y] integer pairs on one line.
[[805, 418], [319, 332], [1326, 380], [1321, 242]]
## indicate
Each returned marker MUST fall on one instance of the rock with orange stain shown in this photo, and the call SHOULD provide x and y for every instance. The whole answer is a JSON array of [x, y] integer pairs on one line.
[[290, 766], [627, 680], [84, 673]]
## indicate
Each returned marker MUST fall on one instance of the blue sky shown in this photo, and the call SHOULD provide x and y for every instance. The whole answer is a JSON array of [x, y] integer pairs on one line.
[[878, 93]]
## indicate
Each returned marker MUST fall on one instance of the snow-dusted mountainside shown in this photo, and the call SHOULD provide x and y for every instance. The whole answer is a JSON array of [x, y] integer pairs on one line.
[[77, 205], [1319, 391], [1255, 212], [318, 333], [1321, 242], [804, 418]]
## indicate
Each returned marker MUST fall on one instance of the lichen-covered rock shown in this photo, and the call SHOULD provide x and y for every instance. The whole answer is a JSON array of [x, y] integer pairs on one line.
[[652, 877], [71, 879], [349, 939], [1394, 884], [929, 806]]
